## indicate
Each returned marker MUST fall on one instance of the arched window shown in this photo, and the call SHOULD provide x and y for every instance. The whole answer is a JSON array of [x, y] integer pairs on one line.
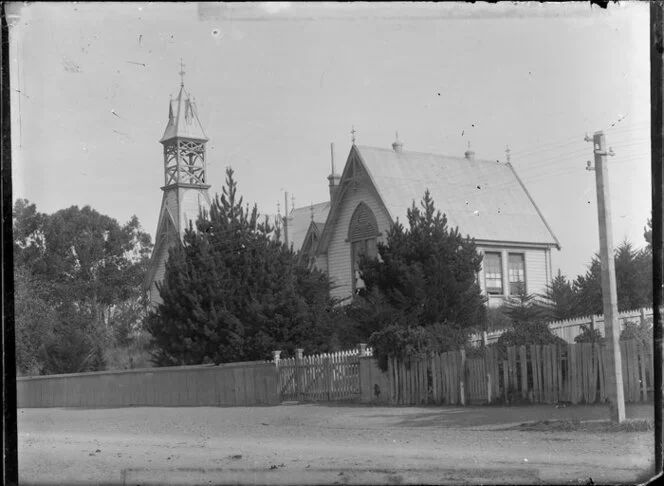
[[362, 234]]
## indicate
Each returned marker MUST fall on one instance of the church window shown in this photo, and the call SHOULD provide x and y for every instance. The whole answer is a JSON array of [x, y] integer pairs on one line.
[[362, 234], [493, 273], [516, 272]]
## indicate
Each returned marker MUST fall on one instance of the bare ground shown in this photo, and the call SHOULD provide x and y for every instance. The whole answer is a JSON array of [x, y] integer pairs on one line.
[[326, 444]]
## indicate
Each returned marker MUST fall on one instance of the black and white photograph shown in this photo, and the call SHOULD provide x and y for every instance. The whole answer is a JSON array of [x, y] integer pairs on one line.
[[333, 243]]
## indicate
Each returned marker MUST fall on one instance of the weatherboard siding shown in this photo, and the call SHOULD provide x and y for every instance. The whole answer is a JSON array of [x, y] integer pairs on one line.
[[191, 202], [339, 250], [160, 261], [536, 271]]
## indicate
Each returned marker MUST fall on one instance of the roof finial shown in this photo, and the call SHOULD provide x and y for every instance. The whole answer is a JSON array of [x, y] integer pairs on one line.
[[182, 73], [311, 208], [278, 209], [507, 153], [470, 154], [292, 201], [397, 145], [352, 132]]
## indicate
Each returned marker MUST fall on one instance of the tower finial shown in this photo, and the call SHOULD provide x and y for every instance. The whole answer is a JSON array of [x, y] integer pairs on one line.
[[182, 73], [507, 153], [352, 132]]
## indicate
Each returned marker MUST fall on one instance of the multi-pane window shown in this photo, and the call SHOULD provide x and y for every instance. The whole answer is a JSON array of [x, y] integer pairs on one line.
[[516, 272], [493, 273]]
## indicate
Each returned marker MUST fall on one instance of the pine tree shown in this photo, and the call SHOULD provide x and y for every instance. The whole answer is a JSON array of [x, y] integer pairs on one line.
[[561, 298], [423, 288], [428, 271], [633, 280], [232, 292]]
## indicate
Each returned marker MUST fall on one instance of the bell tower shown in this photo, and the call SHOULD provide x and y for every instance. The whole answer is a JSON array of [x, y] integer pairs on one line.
[[185, 189]]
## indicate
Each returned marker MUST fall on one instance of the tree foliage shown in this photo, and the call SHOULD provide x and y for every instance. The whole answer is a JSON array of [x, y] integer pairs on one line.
[[633, 278], [78, 275], [233, 292], [424, 280], [583, 296], [529, 324], [561, 299]]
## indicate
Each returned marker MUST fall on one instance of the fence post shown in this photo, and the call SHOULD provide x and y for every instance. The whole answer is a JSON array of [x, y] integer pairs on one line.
[[462, 377], [485, 338], [643, 316], [275, 359], [299, 383], [363, 350]]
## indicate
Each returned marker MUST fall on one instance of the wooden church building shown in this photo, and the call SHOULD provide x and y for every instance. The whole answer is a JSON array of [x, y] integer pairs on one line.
[[483, 198]]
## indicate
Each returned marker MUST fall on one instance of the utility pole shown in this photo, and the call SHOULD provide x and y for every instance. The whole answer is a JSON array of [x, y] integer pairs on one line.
[[657, 154], [613, 377]]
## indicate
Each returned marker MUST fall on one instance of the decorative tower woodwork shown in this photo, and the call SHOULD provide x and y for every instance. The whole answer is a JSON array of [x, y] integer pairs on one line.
[[185, 190]]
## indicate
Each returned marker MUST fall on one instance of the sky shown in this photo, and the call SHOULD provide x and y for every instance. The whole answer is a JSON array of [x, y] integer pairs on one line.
[[276, 83]]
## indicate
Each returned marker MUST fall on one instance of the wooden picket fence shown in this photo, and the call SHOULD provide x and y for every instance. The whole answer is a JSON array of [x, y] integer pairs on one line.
[[574, 373], [321, 377], [571, 328]]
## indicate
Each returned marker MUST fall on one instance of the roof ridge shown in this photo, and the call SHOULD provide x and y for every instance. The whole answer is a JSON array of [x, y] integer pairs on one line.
[[415, 152]]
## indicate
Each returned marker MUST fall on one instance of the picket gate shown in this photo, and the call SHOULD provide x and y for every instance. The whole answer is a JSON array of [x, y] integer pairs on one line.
[[321, 377]]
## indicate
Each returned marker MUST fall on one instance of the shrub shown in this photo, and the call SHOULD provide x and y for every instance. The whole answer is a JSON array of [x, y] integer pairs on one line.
[[497, 319], [641, 331], [589, 335], [415, 342]]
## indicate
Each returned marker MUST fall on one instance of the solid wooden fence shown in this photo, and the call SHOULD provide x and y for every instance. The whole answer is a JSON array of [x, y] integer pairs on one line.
[[231, 384], [573, 373], [321, 377]]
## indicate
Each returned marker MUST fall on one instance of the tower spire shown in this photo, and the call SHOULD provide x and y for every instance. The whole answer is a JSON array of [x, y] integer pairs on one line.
[[182, 73]]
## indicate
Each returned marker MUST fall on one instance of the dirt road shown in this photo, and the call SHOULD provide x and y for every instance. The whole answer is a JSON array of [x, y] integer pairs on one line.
[[309, 444]]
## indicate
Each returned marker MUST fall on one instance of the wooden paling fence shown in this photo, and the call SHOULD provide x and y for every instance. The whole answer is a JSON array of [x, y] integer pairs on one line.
[[322, 377], [573, 373]]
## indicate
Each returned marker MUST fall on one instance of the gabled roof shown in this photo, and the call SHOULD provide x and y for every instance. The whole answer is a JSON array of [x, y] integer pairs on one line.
[[300, 219], [183, 121], [312, 236], [484, 198]]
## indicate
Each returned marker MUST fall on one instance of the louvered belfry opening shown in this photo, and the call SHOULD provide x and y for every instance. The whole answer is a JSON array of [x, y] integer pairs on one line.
[[363, 224]]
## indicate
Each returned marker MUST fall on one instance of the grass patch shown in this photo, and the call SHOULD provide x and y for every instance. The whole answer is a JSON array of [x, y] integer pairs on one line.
[[575, 425]]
